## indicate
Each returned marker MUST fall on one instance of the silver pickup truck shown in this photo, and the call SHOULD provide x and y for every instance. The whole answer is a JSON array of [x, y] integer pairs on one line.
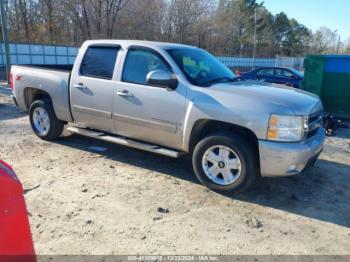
[[175, 99]]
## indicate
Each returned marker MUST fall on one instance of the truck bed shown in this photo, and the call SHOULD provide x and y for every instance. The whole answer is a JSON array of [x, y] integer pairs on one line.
[[51, 79]]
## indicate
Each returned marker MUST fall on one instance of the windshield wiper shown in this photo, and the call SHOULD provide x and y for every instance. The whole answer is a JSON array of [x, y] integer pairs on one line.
[[220, 79]]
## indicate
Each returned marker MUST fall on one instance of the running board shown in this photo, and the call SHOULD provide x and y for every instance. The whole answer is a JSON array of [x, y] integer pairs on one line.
[[125, 142]]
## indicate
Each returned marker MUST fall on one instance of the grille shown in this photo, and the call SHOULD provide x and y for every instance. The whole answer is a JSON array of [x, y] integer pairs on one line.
[[314, 122]]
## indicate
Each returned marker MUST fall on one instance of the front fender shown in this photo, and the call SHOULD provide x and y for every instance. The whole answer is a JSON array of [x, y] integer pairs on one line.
[[205, 107]]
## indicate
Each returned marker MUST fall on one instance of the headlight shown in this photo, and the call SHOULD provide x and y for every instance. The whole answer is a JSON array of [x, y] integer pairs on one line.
[[285, 128]]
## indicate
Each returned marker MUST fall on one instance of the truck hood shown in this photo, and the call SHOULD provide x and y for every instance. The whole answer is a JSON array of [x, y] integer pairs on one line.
[[297, 101]]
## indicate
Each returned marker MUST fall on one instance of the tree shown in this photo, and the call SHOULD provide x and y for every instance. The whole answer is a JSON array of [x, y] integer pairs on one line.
[[347, 46], [148, 18], [297, 39], [324, 40], [224, 27], [281, 27], [183, 15]]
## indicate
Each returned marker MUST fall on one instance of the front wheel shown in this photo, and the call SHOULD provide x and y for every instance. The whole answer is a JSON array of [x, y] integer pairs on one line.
[[225, 162], [44, 121]]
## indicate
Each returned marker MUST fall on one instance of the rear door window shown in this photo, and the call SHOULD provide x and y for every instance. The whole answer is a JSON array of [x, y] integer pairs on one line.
[[266, 72], [283, 73], [99, 62]]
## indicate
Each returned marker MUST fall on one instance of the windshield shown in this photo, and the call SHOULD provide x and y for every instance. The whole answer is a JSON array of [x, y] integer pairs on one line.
[[200, 67]]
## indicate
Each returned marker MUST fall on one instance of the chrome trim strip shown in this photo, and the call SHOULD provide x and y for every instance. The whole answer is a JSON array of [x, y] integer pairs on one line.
[[166, 127], [313, 122], [92, 111]]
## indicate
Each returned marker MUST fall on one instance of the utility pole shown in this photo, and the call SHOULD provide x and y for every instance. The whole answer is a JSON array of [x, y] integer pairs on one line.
[[338, 44], [3, 3], [254, 48]]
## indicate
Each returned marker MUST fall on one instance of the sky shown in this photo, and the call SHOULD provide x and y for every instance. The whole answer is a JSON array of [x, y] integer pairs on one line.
[[334, 14]]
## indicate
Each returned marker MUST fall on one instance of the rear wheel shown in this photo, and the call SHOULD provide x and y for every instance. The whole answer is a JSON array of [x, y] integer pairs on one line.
[[225, 162], [44, 121]]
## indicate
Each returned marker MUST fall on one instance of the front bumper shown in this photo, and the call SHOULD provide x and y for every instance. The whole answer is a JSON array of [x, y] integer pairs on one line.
[[286, 159]]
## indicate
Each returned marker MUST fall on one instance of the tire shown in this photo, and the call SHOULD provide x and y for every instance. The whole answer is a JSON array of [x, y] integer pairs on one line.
[[239, 148], [38, 122]]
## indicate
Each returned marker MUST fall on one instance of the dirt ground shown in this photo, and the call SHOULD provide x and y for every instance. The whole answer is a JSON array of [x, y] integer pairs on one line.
[[81, 201]]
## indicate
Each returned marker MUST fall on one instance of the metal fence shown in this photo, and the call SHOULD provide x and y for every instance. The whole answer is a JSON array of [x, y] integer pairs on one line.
[[294, 62], [39, 54], [247, 63]]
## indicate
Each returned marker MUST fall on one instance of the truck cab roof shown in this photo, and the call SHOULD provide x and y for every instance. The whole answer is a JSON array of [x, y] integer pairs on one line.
[[127, 43]]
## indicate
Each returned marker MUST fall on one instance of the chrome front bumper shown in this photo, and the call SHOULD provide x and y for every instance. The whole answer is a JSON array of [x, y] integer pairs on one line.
[[286, 159]]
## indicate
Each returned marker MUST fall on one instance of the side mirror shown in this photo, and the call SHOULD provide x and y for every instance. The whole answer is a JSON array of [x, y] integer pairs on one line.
[[162, 79]]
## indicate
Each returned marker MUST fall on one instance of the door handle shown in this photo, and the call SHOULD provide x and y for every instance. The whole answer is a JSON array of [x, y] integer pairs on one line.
[[124, 93], [80, 86]]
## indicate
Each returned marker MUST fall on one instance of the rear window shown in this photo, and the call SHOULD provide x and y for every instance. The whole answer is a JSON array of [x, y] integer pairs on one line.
[[99, 62]]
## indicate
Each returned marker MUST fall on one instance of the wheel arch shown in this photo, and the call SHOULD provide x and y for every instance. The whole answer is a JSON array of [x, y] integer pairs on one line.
[[204, 127], [32, 94]]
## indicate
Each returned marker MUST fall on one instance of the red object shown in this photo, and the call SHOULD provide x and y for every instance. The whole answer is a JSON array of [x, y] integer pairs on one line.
[[16, 242], [238, 72], [11, 80]]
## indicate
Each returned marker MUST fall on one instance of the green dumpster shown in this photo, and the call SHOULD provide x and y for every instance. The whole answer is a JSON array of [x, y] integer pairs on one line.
[[328, 76]]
